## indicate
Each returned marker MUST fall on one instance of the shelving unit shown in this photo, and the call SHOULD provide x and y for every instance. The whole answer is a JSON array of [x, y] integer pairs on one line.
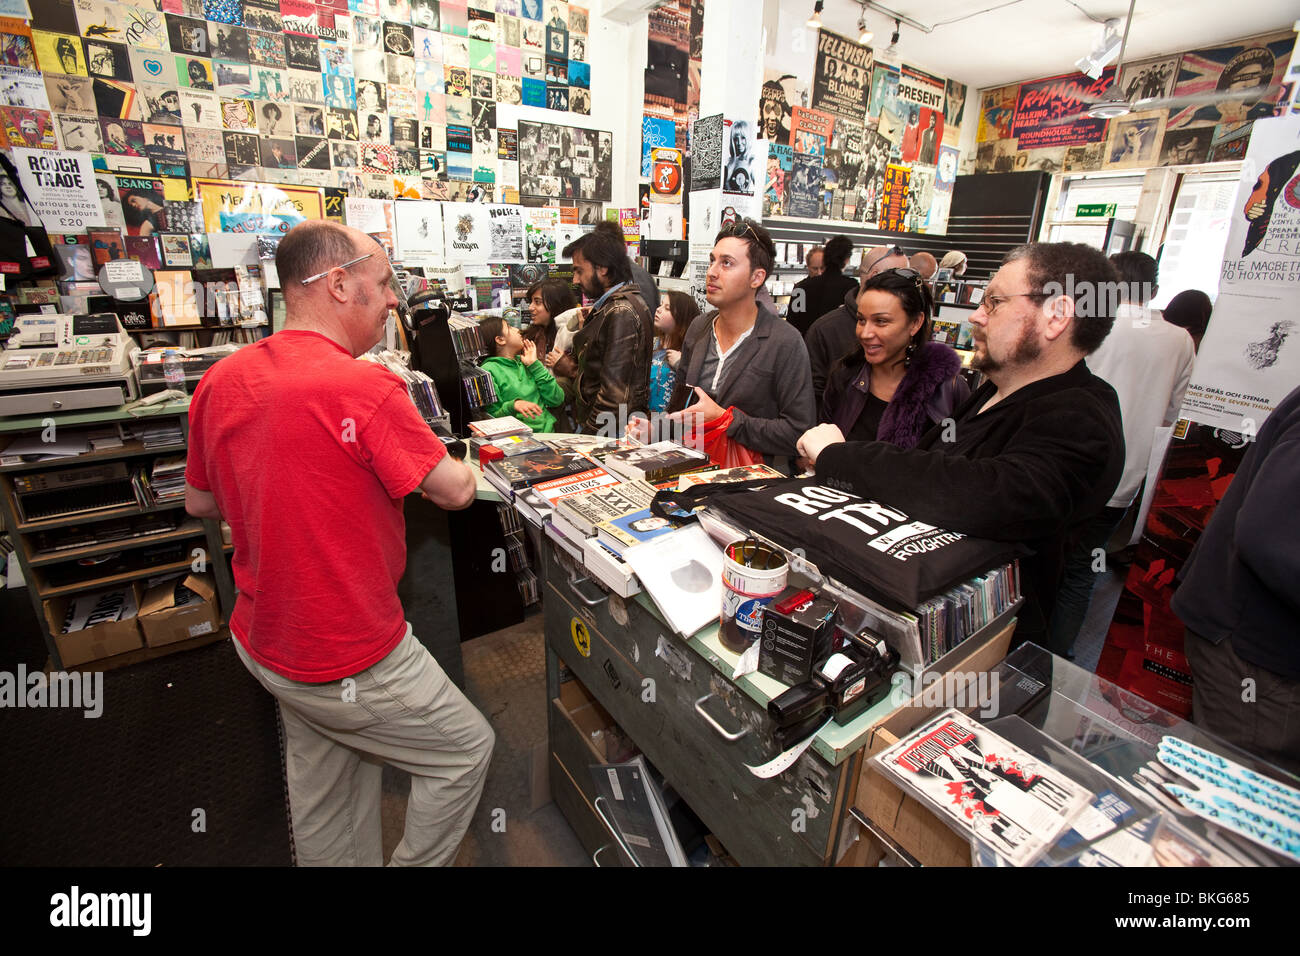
[[38, 566]]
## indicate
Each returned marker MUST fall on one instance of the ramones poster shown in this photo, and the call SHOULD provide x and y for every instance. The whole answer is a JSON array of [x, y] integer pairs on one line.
[[842, 76]]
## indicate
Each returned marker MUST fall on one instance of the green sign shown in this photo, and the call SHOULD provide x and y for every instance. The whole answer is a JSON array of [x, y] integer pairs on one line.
[[1096, 210]]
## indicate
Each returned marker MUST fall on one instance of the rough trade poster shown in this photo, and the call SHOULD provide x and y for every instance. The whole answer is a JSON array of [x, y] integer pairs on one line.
[[842, 76], [1044, 111], [1250, 357], [61, 186]]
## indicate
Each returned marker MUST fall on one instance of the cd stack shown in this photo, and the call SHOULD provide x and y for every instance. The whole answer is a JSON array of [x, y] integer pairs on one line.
[[948, 619]]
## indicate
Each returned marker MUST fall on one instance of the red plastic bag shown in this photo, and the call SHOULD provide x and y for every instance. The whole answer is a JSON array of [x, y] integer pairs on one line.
[[723, 451]]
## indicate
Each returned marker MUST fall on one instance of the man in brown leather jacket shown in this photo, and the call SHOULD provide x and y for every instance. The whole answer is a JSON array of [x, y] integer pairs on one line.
[[613, 348]]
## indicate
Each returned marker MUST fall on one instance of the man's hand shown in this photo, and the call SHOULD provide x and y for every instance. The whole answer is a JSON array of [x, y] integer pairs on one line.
[[527, 409], [815, 439], [702, 412], [529, 355]]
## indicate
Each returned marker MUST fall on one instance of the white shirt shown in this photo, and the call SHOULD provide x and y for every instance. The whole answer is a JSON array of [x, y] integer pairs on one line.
[[723, 356], [1148, 362]]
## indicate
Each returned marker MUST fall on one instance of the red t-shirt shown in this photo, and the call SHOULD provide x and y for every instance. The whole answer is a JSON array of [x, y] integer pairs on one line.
[[309, 454]]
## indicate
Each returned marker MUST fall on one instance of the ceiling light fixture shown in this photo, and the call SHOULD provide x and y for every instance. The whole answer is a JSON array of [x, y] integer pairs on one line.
[[815, 20], [864, 32], [1103, 53], [893, 40]]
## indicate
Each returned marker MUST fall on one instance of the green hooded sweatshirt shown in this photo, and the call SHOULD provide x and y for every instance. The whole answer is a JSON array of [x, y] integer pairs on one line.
[[533, 383]]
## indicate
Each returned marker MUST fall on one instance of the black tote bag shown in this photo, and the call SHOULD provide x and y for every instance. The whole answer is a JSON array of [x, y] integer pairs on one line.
[[866, 545]]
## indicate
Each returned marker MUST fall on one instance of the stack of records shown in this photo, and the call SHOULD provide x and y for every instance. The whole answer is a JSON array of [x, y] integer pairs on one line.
[[167, 479], [157, 433]]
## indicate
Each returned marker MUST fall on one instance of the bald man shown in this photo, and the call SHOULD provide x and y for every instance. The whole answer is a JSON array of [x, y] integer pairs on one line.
[[925, 264], [835, 334], [309, 454]]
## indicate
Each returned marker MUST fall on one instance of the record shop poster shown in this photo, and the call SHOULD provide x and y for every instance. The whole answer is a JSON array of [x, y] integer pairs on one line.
[[1042, 106], [1250, 358], [61, 187], [842, 76]]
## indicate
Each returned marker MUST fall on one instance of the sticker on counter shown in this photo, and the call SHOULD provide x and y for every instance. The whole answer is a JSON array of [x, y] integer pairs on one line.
[[677, 660], [581, 636]]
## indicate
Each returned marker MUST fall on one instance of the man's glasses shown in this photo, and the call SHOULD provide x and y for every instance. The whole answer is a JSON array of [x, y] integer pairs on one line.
[[350, 262], [991, 303]]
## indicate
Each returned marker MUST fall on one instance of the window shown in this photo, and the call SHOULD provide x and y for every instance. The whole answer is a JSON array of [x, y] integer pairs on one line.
[[1196, 233], [1066, 225]]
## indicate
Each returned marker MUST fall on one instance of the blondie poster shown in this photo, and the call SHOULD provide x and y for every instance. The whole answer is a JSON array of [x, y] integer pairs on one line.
[[842, 76], [1051, 112], [1250, 357]]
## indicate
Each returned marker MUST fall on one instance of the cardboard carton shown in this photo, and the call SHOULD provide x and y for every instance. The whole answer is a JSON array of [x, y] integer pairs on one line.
[[95, 641], [165, 619]]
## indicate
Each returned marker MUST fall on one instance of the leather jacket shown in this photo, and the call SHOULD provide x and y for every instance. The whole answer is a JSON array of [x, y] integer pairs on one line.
[[613, 354]]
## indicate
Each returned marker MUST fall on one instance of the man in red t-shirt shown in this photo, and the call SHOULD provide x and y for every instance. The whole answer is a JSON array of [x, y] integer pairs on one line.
[[308, 454]]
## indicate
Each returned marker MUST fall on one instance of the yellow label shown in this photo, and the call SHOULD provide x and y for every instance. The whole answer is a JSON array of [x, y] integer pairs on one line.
[[581, 636]]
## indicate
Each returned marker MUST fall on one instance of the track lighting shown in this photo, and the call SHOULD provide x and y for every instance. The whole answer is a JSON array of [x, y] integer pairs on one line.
[[815, 20]]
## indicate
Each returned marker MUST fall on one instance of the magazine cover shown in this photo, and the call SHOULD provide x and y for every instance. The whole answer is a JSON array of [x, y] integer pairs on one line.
[[979, 783]]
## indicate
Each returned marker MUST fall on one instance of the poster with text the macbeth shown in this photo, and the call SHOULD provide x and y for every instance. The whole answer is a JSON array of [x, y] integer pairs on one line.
[[842, 76], [1250, 357]]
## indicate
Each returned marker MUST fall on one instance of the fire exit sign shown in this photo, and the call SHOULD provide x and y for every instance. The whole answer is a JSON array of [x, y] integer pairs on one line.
[[1096, 210]]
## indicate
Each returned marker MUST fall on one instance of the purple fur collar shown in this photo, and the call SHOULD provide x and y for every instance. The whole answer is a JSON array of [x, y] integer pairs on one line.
[[905, 418]]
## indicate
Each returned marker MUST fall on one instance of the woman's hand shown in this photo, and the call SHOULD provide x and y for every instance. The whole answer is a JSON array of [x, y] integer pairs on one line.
[[673, 356], [552, 357]]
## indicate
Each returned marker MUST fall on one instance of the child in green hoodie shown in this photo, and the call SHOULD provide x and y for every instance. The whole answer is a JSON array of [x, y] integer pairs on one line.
[[525, 387]]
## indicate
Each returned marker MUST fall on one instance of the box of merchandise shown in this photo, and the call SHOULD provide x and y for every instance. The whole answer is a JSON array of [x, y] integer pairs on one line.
[[95, 624], [178, 609]]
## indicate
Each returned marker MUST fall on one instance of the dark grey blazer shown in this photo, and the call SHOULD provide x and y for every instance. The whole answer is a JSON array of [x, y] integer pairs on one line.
[[767, 380]]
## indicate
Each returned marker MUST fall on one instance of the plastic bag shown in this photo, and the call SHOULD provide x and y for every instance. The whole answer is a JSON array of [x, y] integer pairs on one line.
[[723, 451]]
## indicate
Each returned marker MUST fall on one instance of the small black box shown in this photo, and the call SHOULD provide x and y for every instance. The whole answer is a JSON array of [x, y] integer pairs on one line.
[[797, 629]]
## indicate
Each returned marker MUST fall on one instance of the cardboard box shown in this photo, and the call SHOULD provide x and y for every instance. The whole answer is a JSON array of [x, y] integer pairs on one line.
[[898, 815], [98, 640], [164, 621]]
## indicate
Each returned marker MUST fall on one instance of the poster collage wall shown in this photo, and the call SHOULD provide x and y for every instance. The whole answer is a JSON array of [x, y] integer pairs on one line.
[[173, 126], [862, 141], [1040, 124]]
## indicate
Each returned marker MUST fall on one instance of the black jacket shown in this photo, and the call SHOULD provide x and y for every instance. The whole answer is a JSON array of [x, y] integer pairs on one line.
[[613, 355], [1240, 582], [765, 380], [821, 294], [833, 335], [1034, 465]]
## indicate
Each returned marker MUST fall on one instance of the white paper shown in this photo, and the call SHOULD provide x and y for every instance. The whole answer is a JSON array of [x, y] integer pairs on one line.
[[365, 214], [418, 231], [748, 662], [124, 270], [706, 220], [507, 233], [467, 231], [786, 758], [682, 572], [230, 249], [61, 186], [665, 221]]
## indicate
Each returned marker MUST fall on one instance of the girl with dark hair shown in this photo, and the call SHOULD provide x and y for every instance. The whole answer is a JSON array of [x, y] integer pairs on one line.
[[673, 317], [899, 383], [524, 387], [547, 300]]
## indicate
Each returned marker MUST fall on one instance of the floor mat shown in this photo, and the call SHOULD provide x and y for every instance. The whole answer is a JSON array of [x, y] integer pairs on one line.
[[183, 768]]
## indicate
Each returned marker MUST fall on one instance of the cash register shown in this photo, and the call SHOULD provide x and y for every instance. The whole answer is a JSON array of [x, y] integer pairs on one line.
[[54, 363]]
